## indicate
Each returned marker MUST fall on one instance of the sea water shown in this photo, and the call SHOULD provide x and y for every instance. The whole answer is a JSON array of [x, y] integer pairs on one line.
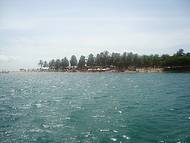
[[95, 107]]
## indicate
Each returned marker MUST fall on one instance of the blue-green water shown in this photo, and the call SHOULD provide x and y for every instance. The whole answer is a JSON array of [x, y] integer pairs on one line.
[[95, 107]]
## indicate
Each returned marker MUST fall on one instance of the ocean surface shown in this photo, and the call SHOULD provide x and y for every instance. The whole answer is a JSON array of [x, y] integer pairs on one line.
[[95, 107]]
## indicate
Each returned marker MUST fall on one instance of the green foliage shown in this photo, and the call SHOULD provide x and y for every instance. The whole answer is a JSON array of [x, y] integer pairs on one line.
[[91, 60], [177, 61], [97, 60], [40, 63], [125, 60], [180, 52], [57, 64], [82, 62], [115, 59], [52, 64], [64, 63], [45, 64], [73, 60]]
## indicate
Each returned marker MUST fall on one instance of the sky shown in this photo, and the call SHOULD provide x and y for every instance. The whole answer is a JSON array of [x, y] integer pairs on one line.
[[47, 29]]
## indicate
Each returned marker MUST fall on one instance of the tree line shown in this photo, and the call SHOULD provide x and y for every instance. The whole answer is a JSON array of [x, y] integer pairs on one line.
[[117, 60]]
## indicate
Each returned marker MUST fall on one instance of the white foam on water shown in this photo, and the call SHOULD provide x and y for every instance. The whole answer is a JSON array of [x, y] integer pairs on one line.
[[36, 130], [45, 126], [26, 106], [115, 131], [104, 130], [95, 116], [87, 134], [98, 116], [78, 107], [57, 100], [38, 105], [113, 139], [126, 137], [58, 125], [67, 118], [120, 111], [189, 118], [70, 127]]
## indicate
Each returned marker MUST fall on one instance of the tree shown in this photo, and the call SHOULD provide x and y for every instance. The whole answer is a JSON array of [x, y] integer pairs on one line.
[[52, 64], [90, 61], [82, 62], [40, 63], [136, 60], [64, 63], [130, 59], [156, 60], [73, 61], [104, 59], [180, 52], [116, 59], [45, 64], [57, 64], [123, 60], [145, 61], [97, 60], [187, 54], [163, 59], [177, 61]]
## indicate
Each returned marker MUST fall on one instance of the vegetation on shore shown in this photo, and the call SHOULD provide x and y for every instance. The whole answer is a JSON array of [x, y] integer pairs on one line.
[[119, 61]]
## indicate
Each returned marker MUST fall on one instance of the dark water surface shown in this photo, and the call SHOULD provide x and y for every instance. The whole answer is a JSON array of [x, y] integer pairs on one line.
[[95, 107]]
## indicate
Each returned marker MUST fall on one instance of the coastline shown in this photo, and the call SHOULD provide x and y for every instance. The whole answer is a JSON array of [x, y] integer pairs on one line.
[[109, 70], [113, 70], [95, 70]]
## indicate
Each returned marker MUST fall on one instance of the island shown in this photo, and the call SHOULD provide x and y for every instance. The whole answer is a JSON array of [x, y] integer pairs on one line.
[[116, 62]]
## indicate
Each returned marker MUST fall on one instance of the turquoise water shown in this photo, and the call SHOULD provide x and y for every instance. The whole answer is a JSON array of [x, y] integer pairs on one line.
[[95, 107]]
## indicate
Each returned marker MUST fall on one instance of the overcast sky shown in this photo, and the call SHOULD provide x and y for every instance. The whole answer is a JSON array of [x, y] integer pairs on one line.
[[46, 29]]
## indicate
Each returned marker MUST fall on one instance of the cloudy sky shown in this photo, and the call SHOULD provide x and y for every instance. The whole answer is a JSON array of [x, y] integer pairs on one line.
[[46, 29]]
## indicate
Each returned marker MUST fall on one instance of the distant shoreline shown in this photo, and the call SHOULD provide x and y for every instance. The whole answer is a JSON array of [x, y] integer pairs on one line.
[[110, 70], [117, 62], [115, 70]]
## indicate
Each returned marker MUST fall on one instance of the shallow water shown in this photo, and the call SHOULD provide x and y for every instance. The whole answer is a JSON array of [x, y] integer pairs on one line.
[[95, 107]]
